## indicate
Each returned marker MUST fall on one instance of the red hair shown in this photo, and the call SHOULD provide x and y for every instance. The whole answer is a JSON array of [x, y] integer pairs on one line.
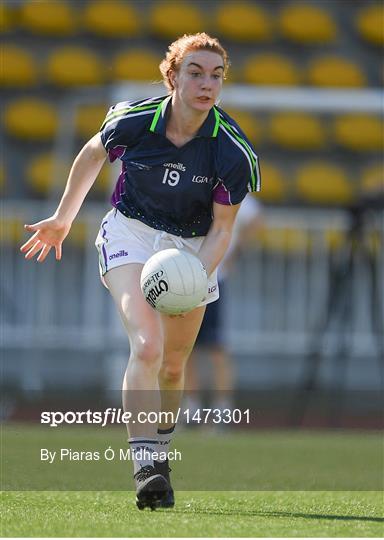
[[184, 45]]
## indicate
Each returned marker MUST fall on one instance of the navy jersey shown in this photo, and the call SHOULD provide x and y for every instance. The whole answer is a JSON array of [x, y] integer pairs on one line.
[[169, 188]]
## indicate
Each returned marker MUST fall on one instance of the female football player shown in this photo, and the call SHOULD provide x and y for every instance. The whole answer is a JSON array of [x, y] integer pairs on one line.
[[186, 167]]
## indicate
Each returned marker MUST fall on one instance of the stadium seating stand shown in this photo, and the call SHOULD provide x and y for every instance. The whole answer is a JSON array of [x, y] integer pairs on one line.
[[45, 17], [297, 131], [72, 66], [335, 71], [271, 69], [243, 22], [18, 67], [164, 15], [307, 24], [370, 23], [89, 119], [111, 19], [136, 64], [30, 119], [323, 183], [359, 132]]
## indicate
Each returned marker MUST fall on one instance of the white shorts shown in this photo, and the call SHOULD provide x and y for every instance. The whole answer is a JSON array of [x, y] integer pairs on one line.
[[123, 240]]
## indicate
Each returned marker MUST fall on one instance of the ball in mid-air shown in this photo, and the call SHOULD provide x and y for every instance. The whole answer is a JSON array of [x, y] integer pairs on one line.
[[174, 281]]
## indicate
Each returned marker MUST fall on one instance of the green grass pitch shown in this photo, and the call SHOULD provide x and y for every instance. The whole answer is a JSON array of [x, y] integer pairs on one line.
[[209, 514], [298, 484]]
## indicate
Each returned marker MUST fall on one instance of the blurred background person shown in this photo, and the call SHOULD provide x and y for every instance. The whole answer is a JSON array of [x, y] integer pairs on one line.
[[211, 340]]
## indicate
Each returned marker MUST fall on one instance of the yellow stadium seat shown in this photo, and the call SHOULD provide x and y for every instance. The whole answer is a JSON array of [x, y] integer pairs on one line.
[[287, 240], [271, 69], [31, 119], [18, 67], [359, 132], [334, 71], [111, 18], [44, 168], [323, 183], [298, 131], [42, 171], [273, 188], [11, 231], [307, 23], [247, 122], [77, 236], [8, 17], [370, 23], [49, 17], [372, 180], [136, 65], [169, 19], [243, 21], [75, 66], [89, 119]]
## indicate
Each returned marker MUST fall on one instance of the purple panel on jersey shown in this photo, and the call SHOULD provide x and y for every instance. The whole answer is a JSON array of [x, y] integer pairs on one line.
[[221, 195], [119, 189], [116, 152]]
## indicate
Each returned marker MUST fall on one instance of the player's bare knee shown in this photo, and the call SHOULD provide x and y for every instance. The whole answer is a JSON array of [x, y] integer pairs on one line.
[[172, 373], [148, 351]]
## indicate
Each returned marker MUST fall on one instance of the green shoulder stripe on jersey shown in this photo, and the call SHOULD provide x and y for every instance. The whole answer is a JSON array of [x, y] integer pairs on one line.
[[156, 117], [247, 148], [216, 128], [128, 111]]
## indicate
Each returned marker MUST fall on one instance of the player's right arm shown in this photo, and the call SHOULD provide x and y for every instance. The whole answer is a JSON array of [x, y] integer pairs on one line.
[[51, 232]]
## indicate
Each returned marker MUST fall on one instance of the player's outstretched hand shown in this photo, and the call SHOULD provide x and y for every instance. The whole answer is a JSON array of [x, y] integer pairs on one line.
[[49, 233]]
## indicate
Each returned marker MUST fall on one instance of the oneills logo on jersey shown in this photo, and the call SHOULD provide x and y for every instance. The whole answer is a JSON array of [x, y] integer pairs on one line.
[[121, 253], [177, 166]]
